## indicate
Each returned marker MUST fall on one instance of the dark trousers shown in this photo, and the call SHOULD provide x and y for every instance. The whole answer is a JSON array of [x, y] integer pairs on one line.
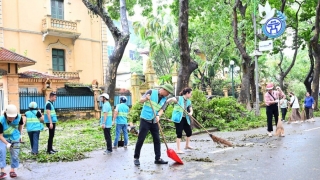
[[107, 137], [272, 110], [51, 135], [283, 113], [183, 125], [145, 127], [308, 109]]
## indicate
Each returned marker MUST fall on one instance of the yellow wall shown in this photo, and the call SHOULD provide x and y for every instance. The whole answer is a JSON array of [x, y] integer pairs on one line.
[[22, 25]]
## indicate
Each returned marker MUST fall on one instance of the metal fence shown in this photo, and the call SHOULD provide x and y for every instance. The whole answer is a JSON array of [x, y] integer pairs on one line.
[[65, 101], [26, 97]]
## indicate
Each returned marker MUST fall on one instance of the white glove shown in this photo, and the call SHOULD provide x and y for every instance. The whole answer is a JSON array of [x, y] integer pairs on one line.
[[277, 100], [8, 146]]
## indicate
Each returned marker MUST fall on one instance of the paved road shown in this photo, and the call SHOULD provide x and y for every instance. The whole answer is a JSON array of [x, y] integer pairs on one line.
[[255, 156]]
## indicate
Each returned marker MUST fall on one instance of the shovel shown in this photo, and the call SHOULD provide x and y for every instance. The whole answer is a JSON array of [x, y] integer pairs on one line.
[[170, 152]]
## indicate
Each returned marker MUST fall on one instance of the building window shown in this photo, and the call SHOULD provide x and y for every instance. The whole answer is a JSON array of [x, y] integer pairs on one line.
[[28, 90], [132, 55], [110, 50], [58, 61], [57, 10]]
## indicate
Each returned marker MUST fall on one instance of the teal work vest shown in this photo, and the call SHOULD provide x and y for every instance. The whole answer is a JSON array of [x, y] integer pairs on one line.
[[123, 111], [11, 131], [177, 112], [53, 114], [107, 106], [147, 112], [33, 123]]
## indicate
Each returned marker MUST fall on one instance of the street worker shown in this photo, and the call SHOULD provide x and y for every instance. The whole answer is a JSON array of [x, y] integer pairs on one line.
[[271, 99], [150, 116], [106, 121], [120, 117], [180, 118], [34, 126], [10, 130], [294, 103], [50, 118], [309, 106]]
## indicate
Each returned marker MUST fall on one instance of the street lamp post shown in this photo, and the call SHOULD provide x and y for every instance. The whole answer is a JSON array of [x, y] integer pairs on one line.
[[231, 66]]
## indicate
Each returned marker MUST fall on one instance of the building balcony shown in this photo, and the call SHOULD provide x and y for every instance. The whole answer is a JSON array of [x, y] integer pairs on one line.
[[67, 75], [60, 28]]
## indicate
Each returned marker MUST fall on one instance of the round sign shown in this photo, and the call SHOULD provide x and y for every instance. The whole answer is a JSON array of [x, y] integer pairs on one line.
[[274, 27]]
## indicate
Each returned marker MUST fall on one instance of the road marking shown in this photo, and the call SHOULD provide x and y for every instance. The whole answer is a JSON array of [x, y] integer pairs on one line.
[[312, 129], [221, 150]]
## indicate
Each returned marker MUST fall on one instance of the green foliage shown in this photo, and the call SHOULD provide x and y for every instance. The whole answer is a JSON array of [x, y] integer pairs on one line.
[[134, 114], [165, 79], [224, 113]]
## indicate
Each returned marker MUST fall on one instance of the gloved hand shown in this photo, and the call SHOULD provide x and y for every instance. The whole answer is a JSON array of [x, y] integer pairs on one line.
[[277, 100], [9, 146]]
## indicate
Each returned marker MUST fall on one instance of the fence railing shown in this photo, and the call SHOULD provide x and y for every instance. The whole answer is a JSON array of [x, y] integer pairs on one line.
[[65, 101], [74, 102], [26, 97]]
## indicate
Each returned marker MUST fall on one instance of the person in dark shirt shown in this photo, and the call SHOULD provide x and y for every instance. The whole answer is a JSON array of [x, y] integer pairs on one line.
[[10, 132], [50, 118], [153, 107]]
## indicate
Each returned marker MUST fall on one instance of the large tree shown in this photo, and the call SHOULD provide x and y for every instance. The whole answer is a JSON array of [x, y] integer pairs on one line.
[[187, 66], [121, 38], [241, 44], [314, 41]]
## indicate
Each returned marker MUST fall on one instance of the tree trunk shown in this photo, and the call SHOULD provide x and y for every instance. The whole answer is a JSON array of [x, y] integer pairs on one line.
[[244, 96], [253, 85], [121, 39], [308, 80], [316, 53], [187, 66]]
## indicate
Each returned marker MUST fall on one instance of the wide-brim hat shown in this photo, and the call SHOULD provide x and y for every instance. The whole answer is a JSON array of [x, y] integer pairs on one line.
[[168, 87], [105, 95], [269, 86]]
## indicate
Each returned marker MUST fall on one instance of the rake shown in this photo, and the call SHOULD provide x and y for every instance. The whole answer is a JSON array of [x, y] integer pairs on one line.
[[213, 137]]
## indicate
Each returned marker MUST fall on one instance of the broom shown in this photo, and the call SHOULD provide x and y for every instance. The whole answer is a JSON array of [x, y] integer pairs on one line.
[[213, 137], [280, 129]]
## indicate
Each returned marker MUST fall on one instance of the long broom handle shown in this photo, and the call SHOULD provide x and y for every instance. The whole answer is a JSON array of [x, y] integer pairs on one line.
[[193, 119], [154, 113]]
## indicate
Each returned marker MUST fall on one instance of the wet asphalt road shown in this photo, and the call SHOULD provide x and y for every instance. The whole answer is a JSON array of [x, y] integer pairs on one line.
[[254, 156]]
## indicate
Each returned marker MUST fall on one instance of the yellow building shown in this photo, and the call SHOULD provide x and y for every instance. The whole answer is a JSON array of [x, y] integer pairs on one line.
[[59, 35], [63, 42]]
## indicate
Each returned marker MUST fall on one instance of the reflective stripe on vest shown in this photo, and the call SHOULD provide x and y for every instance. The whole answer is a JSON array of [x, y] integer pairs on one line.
[[123, 111], [53, 114], [147, 112], [108, 123], [10, 131], [33, 123], [177, 112]]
